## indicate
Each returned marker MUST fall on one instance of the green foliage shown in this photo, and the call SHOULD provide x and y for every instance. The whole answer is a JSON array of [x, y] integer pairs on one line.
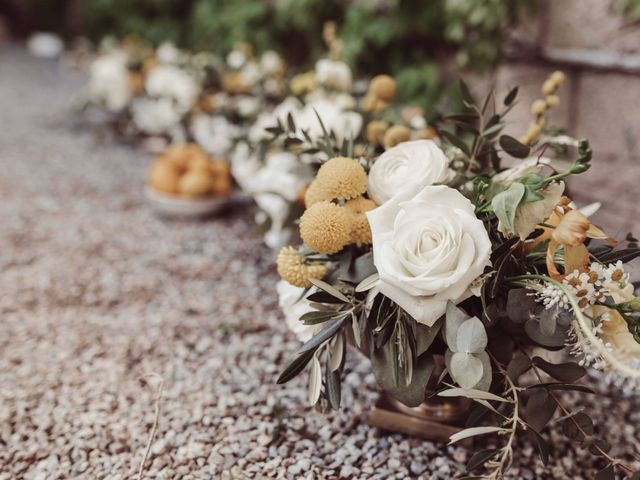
[[629, 9], [410, 39]]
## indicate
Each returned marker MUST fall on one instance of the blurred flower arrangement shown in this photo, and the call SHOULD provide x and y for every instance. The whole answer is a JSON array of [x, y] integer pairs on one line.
[[433, 249], [178, 96]]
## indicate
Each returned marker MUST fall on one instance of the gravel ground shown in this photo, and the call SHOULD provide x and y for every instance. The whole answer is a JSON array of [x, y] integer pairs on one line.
[[102, 305]]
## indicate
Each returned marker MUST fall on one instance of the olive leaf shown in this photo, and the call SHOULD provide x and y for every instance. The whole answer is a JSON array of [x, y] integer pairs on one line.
[[513, 147]]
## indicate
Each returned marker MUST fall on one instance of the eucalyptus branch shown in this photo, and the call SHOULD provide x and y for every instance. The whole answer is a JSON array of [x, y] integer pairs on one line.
[[571, 417]]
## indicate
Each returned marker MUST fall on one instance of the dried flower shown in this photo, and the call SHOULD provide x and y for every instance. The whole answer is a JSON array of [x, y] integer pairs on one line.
[[571, 232], [341, 178], [375, 131], [325, 227], [293, 269], [314, 193], [384, 87], [558, 78], [395, 135], [572, 229], [538, 107], [548, 87], [552, 100], [426, 133], [371, 103]]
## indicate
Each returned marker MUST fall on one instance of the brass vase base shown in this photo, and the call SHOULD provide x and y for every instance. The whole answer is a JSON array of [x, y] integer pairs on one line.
[[436, 419]]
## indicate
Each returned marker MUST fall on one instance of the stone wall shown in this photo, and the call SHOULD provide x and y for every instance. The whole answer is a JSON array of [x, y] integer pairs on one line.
[[599, 50]]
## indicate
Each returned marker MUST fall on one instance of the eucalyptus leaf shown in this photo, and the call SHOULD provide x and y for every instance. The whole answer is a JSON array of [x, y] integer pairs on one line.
[[607, 473], [565, 372], [454, 318], [471, 336], [520, 305], [557, 340], [487, 372], [506, 203], [466, 369], [540, 409], [543, 446], [426, 335], [576, 426], [518, 366]]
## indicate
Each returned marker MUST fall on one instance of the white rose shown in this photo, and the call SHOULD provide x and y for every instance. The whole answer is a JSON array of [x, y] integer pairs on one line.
[[271, 63], [420, 162], [294, 305], [236, 59], [167, 52], [214, 133], [155, 116], [109, 81], [334, 74], [428, 248], [266, 119], [170, 81], [248, 106]]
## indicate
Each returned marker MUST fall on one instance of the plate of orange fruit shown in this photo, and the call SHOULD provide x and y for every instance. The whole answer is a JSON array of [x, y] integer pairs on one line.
[[185, 181]]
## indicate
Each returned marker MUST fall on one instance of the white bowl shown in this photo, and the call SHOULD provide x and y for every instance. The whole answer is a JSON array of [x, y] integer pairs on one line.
[[180, 207]]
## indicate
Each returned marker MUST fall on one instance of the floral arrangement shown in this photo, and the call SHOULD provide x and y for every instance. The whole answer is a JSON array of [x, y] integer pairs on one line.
[[174, 96], [326, 113], [438, 249]]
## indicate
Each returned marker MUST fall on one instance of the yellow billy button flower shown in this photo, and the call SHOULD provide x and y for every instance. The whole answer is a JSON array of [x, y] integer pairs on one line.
[[293, 269], [341, 178], [383, 87], [395, 135], [360, 228], [375, 131], [315, 193], [326, 227]]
